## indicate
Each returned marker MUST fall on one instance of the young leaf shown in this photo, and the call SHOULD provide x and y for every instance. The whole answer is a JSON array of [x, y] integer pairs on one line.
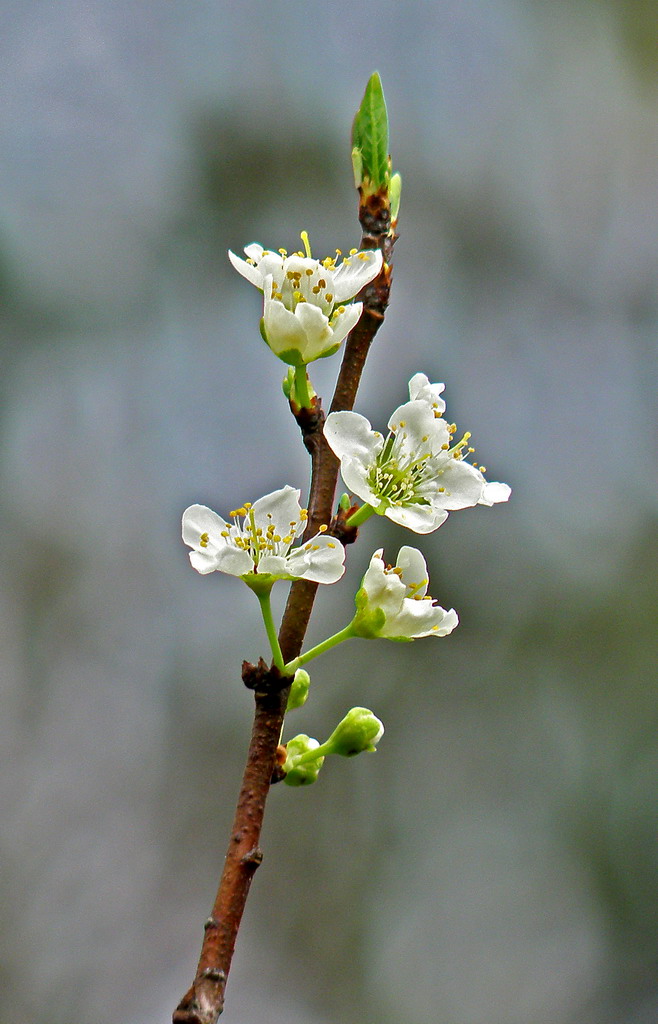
[[370, 138]]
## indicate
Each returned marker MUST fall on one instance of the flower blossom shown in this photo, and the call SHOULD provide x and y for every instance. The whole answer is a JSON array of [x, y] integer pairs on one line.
[[393, 601], [258, 544], [416, 475], [307, 309]]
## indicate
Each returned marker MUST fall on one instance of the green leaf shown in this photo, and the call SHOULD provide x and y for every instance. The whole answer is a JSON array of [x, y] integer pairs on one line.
[[370, 138]]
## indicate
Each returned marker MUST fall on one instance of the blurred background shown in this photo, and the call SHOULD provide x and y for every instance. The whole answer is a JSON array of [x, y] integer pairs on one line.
[[495, 863]]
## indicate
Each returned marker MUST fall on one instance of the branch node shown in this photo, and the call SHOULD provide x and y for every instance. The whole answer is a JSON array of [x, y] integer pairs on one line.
[[339, 529], [253, 858], [265, 680], [213, 974]]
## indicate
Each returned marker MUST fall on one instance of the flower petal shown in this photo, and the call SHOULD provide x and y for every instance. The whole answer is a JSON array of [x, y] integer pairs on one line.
[[414, 570], [232, 561], [420, 390], [384, 589], [199, 519], [355, 272], [419, 518], [248, 270], [417, 429], [273, 565], [462, 485], [494, 492], [355, 477], [321, 559], [278, 509], [282, 328], [344, 321], [414, 619], [350, 434], [318, 334]]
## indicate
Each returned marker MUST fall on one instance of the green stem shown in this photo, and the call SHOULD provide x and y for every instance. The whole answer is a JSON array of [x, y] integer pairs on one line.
[[311, 755], [270, 629], [301, 387], [360, 515], [326, 645]]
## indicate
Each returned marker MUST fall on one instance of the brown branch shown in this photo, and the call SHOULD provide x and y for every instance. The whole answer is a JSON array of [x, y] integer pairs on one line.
[[204, 1001]]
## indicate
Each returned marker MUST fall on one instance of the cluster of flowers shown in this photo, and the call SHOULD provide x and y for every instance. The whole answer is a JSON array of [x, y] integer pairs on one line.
[[415, 476]]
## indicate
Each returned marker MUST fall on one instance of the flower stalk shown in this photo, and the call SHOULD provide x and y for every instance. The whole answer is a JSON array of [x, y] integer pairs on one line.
[[264, 600], [314, 652]]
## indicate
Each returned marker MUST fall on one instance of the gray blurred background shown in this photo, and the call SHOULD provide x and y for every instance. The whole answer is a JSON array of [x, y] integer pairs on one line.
[[495, 862]]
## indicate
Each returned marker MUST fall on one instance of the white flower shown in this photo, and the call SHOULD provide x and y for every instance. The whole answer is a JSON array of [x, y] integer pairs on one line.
[[258, 542], [393, 601], [305, 314], [416, 475]]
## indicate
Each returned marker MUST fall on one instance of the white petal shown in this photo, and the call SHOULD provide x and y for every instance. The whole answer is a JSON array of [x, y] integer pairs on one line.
[[462, 484], [284, 331], [279, 509], [355, 478], [350, 434], [384, 589], [318, 334], [198, 519], [417, 430], [345, 321], [300, 264], [494, 492], [420, 390], [355, 272], [204, 561], [450, 622], [233, 561], [254, 251], [415, 619], [248, 270], [274, 565], [419, 518], [414, 570], [321, 559]]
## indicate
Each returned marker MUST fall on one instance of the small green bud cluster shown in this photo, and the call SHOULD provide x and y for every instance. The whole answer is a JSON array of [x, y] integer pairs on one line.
[[357, 733]]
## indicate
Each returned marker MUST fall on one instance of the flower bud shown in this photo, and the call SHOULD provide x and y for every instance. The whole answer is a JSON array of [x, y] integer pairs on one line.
[[299, 689], [287, 383], [302, 774], [360, 730]]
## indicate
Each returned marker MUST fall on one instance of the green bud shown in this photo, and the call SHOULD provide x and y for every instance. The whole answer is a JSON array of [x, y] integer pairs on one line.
[[299, 689], [394, 191], [370, 159], [299, 749], [359, 731], [287, 383], [345, 503], [300, 382]]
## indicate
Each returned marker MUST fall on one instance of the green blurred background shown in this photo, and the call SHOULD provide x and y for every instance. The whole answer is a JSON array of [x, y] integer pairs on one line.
[[495, 862]]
